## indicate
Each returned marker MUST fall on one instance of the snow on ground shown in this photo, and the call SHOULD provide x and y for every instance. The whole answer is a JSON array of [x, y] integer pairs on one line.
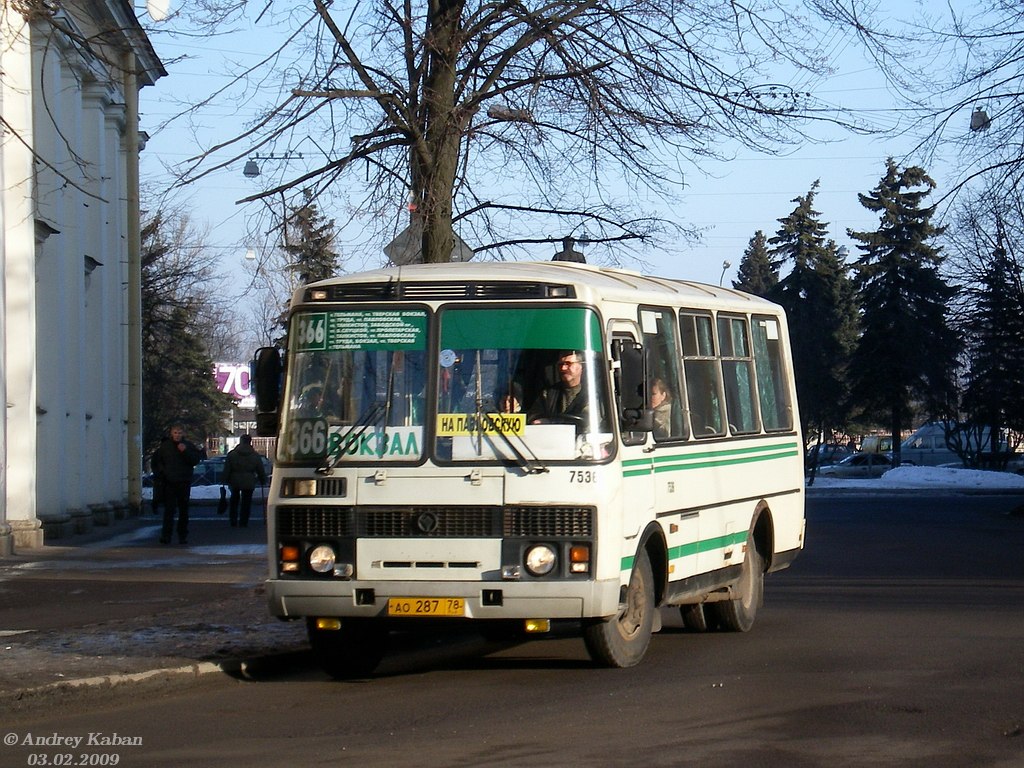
[[206, 492], [929, 477]]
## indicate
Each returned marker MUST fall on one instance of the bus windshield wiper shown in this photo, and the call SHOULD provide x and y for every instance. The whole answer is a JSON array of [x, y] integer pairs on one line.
[[364, 422], [531, 464]]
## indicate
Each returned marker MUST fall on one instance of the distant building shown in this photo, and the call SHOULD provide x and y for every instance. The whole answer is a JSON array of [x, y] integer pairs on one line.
[[70, 368]]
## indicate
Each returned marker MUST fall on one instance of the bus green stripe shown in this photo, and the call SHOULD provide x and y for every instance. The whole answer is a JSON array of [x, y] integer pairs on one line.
[[726, 462], [695, 548], [722, 458]]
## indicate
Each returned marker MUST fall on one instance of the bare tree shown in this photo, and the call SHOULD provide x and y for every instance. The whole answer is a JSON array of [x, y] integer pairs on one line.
[[960, 67], [986, 246], [508, 121]]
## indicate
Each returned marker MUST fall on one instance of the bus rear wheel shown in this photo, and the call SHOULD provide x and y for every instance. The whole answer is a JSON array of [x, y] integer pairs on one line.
[[738, 614], [353, 651], [622, 640]]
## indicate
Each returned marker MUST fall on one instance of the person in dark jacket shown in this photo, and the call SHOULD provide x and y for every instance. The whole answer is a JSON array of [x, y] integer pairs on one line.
[[569, 397], [242, 468], [172, 467]]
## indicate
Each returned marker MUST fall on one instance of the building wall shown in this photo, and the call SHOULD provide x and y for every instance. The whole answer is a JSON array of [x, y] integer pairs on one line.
[[67, 257]]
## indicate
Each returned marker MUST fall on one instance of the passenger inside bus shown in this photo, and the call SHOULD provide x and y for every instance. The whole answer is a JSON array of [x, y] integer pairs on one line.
[[661, 403], [310, 401]]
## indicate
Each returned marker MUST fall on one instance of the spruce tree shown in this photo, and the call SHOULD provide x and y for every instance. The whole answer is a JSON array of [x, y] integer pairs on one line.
[[818, 298], [757, 273], [309, 246], [907, 351]]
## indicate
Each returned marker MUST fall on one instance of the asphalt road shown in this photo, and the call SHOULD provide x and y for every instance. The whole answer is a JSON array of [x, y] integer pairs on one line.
[[897, 639]]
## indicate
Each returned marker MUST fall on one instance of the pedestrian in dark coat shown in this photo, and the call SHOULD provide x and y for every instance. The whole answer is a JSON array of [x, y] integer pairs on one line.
[[242, 468], [172, 468]]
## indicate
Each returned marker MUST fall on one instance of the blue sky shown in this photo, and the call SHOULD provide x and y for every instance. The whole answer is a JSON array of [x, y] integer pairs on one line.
[[728, 201]]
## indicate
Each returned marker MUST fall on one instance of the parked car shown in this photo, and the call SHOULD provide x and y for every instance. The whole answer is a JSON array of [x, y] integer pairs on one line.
[[825, 454], [929, 445], [208, 471], [863, 465]]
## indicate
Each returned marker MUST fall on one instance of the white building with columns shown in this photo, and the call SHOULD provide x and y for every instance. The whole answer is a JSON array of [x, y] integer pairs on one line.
[[70, 367]]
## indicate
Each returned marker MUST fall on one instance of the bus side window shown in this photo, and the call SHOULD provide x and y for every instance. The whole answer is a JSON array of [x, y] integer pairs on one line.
[[738, 374], [772, 390], [703, 376]]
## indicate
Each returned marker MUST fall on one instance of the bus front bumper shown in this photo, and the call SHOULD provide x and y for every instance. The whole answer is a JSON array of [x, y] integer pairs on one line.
[[294, 599]]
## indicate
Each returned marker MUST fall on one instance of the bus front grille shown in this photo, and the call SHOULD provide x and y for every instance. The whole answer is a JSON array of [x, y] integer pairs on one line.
[[315, 522], [435, 522], [549, 521]]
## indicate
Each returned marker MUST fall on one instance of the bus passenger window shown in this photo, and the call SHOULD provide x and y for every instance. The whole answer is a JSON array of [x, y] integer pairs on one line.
[[773, 393], [738, 374], [703, 376]]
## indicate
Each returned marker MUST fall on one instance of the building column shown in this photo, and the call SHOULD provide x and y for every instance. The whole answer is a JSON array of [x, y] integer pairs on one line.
[[6, 538], [19, 284]]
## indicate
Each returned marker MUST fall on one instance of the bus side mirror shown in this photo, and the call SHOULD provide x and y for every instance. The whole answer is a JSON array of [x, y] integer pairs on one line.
[[265, 376], [633, 411]]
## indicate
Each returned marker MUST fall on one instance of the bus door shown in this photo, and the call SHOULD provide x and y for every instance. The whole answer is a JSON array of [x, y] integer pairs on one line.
[[635, 456], [668, 441]]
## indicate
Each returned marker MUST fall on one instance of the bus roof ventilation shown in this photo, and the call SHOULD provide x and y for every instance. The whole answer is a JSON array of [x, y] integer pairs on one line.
[[448, 291]]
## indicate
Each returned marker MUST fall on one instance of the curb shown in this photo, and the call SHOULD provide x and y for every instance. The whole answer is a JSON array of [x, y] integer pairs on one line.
[[247, 669]]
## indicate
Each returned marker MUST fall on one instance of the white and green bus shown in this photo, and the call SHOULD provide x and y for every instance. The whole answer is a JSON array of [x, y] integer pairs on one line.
[[518, 445]]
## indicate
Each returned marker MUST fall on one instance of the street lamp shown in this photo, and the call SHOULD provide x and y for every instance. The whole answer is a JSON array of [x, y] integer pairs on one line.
[[725, 266], [980, 120], [252, 168]]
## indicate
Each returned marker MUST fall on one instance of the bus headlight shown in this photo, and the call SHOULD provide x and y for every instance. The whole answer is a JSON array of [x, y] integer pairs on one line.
[[321, 559], [540, 559]]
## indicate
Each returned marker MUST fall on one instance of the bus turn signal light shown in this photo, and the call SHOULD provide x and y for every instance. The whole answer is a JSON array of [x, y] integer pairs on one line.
[[579, 559], [290, 559]]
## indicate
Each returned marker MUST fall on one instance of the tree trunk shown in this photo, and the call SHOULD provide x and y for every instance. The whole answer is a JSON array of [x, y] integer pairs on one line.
[[437, 155]]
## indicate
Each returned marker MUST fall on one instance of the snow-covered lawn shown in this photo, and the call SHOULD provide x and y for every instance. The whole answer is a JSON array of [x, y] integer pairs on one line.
[[929, 477]]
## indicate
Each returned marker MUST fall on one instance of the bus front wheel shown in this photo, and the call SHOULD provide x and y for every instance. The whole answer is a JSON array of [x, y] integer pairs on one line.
[[355, 650], [622, 640], [738, 614]]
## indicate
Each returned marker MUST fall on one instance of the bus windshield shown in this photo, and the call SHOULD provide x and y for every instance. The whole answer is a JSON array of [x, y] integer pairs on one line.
[[356, 386], [521, 384]]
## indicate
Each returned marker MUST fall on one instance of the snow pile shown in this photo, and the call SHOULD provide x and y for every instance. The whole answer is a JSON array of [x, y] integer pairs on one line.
[[929, 477]]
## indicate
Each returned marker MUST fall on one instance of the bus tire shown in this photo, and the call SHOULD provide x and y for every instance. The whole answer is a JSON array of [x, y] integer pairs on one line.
[[738, 614], [353, 651], [694, 617], [621, 641]]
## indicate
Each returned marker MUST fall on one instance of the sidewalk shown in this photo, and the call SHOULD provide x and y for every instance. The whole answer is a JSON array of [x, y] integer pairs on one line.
[[115, 605]]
